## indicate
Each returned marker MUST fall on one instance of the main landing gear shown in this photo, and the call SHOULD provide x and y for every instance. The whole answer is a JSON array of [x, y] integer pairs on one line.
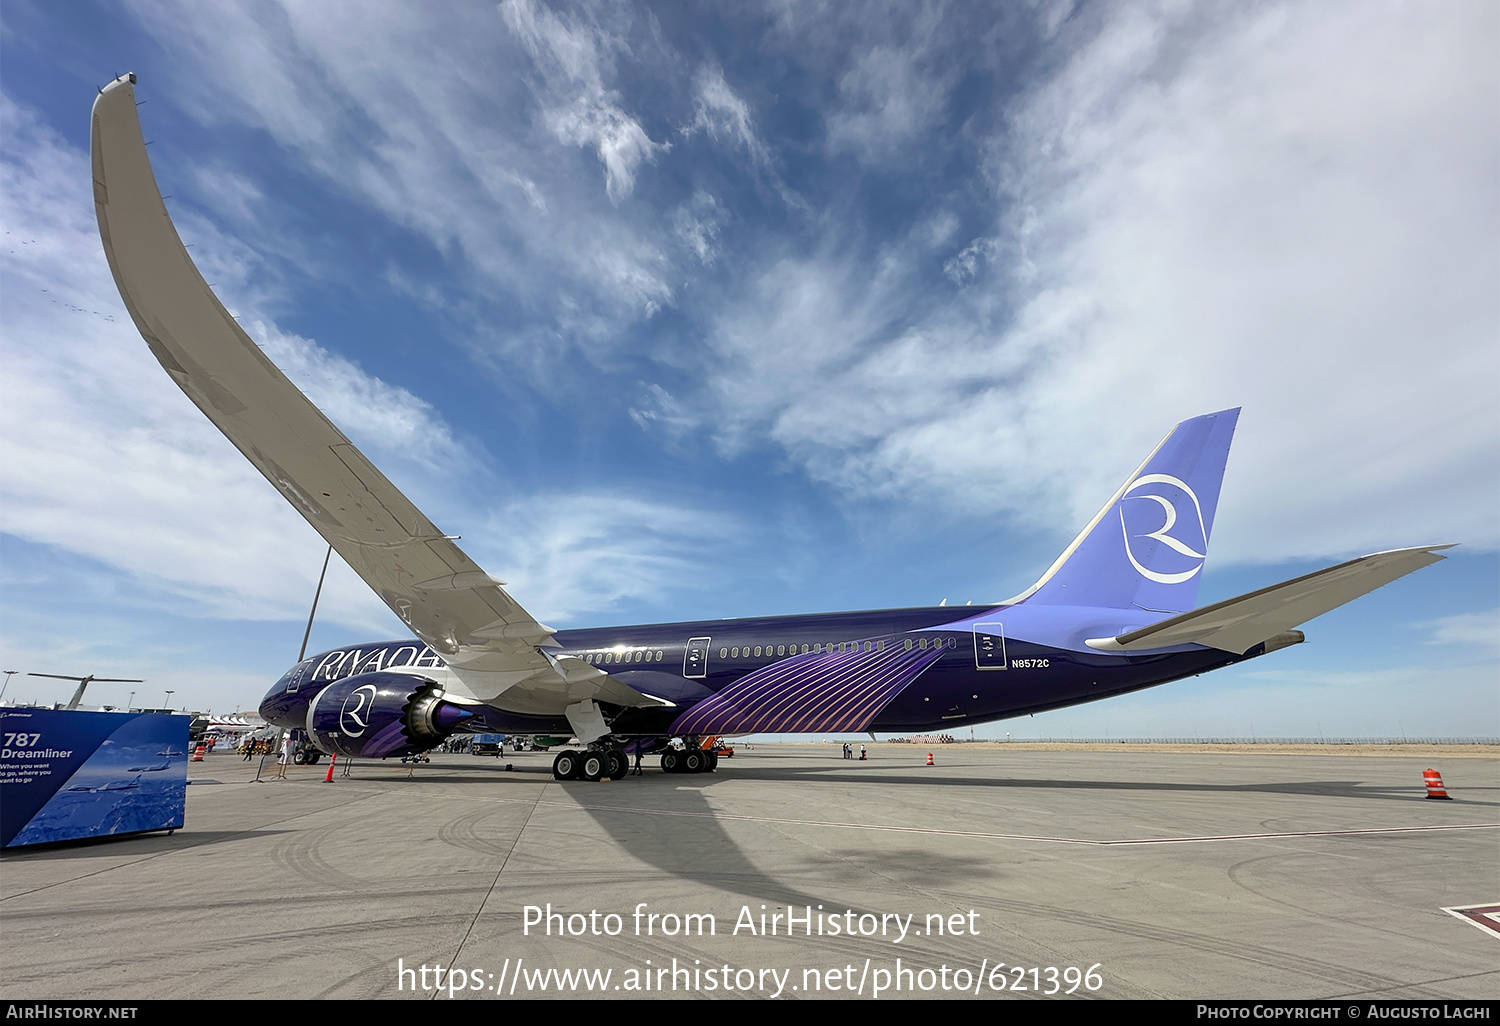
[[612, 762], [592, 764], [689, 760]]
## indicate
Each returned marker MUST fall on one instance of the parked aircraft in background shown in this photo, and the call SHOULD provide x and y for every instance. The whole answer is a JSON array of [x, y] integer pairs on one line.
[[1113, 614]]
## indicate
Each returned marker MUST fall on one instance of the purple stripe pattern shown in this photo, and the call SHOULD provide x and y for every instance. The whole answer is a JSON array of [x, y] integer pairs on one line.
[[812, 693]]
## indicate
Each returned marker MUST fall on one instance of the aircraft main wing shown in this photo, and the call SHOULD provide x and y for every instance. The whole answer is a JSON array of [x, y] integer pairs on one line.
[[447, 600], [1236, 624]]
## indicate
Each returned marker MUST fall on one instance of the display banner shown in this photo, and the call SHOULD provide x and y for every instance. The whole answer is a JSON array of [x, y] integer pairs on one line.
[[69, 775]]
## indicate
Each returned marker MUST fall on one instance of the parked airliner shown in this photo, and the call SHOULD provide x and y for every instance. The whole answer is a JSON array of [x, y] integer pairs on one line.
[[1113, 614]]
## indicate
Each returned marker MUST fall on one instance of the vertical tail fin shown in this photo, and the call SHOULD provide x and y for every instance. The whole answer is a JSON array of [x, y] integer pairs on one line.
[[1148, 544]]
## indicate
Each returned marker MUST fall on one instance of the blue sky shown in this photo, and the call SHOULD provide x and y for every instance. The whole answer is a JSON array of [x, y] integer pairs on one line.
[[695, 311]]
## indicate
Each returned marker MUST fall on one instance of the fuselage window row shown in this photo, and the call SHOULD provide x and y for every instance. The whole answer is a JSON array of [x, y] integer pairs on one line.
[[763, 651]]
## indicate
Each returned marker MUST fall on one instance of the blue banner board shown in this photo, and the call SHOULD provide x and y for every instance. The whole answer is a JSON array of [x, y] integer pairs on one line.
[[67, 775]]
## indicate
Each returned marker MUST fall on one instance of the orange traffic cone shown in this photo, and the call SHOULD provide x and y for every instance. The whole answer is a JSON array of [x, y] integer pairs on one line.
[[1434, 782], [328, 778], [929, 760], [198, 753]]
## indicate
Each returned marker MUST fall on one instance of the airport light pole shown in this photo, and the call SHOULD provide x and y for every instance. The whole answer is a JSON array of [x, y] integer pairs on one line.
[[167, 702], [8, 675]]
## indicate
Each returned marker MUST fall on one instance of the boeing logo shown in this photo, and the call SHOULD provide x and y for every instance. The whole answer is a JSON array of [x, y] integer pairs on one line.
[[354, 717], [1163, 533]]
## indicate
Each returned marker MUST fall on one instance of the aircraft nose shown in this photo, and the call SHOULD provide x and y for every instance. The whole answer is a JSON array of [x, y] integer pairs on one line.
[[285, 705], [268, 705]]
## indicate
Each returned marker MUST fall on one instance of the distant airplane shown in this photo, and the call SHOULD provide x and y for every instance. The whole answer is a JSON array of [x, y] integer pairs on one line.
[[113, 785], [84, 682], [1113, 614]]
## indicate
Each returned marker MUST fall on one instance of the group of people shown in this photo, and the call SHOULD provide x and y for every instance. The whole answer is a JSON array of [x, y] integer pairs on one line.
[[849, 752], [251, 747]]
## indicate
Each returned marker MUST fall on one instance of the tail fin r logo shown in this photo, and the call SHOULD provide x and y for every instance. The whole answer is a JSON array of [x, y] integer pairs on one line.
[[1163, 533]]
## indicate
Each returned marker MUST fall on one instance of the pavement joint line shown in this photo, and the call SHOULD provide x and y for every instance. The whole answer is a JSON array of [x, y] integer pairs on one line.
[[1361, 995], [479, 910], [980, 834]]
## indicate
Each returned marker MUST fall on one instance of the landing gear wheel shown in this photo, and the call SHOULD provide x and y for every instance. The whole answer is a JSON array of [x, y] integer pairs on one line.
[[593, 765], [565, 766], [299, 758], [671, 762], [693, 762], [713, 761], [619, 765]]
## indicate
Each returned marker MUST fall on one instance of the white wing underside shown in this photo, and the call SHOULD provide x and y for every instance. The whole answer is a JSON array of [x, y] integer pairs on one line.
[[492, 644], [1236, 624]]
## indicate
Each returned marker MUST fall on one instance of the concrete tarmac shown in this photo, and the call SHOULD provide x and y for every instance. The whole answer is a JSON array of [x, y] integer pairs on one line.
[[1107, 873]]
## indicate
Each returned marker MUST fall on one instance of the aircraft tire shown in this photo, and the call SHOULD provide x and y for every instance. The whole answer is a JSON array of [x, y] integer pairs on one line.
[[671, 762], [619, 764], [565, 766], [299, 758], [592, 766], [713, 762], [693, 762]]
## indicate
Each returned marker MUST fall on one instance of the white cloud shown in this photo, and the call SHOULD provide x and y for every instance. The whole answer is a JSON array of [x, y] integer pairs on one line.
[[1476, 632], [890, 96], [963, 267], [363, 406], [104, 457], [573, 58], [1203, 209], [568, 553], [404, 114], [721, 112], [696, 223]]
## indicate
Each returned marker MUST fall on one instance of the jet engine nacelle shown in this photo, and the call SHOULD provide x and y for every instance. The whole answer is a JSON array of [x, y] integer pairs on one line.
[[378, 715]]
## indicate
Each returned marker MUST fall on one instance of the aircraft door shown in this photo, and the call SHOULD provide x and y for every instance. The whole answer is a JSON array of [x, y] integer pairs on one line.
[[695, 661], [298, 676], [989, 647]]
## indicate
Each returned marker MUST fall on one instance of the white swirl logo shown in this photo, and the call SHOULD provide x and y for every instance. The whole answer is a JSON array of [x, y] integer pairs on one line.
[[354, 717], [1163, 533]]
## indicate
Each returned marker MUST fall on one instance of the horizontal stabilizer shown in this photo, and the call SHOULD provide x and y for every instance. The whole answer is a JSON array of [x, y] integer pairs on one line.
[[1236, 624]]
